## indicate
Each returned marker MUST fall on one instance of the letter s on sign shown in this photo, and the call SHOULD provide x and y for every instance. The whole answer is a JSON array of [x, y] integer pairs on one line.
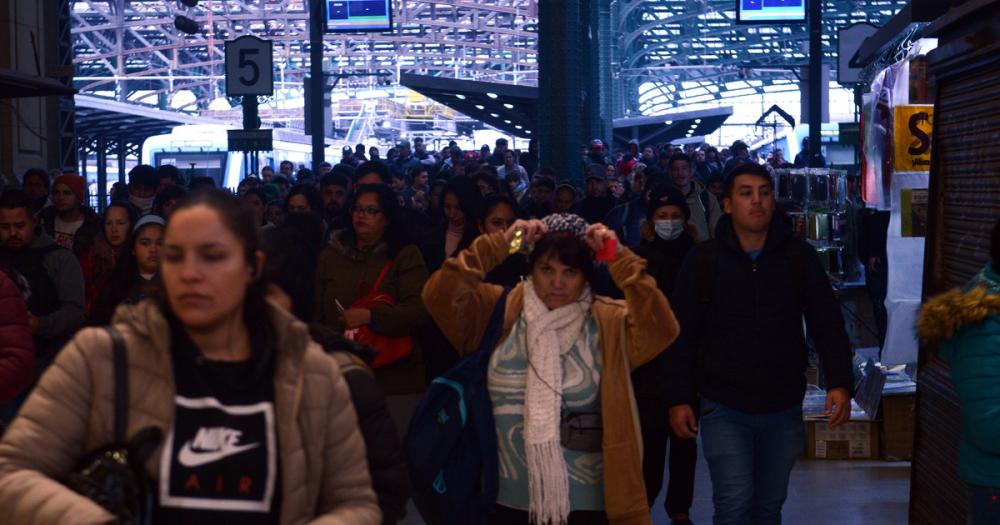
[[924, 144]]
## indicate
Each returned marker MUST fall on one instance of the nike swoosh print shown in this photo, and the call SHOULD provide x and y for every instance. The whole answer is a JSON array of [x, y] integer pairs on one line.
[[191, 459]]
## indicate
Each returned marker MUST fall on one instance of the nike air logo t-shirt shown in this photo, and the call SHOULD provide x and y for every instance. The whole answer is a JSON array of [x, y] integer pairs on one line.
[[220, 459]]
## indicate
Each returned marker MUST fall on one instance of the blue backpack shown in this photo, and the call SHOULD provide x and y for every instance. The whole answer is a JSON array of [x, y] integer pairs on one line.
[[451, 445]]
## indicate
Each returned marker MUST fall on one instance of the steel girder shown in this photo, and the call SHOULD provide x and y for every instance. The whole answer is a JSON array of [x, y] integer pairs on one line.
[[125, 46], [689, 51]]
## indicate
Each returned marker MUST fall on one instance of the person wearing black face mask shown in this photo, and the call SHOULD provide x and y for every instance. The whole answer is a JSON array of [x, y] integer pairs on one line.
[[666, 240]]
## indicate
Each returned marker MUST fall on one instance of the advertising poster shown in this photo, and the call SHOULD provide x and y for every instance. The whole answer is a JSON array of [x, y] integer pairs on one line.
[[912, 137], [913, 212]]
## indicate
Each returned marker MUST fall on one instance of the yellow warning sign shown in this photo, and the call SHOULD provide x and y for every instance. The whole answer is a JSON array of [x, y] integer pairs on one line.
[[912, 136]]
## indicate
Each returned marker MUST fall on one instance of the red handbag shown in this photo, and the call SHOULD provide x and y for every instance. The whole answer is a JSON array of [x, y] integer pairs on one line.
[[387, 349]]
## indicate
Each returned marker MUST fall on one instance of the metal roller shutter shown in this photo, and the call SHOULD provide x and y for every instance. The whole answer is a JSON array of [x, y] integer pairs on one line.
[[965, 203]]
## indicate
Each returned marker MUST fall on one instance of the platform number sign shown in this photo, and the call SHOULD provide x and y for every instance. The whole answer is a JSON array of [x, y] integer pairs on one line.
[[249, 67]]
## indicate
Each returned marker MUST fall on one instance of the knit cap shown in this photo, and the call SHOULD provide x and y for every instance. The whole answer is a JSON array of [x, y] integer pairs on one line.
[[565, 222], [75, 183]]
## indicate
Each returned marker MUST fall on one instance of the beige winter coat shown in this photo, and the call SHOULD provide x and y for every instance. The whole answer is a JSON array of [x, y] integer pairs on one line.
[[324, 474]]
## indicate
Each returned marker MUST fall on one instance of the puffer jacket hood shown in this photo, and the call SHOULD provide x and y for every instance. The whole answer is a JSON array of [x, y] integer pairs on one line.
[[944, 315]]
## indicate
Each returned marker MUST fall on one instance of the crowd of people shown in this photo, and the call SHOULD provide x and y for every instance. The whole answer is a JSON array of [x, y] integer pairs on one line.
[[282, 335]]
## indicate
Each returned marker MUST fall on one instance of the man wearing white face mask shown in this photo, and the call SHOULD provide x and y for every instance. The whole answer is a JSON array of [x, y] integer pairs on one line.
[[666, 240], [143, 180]]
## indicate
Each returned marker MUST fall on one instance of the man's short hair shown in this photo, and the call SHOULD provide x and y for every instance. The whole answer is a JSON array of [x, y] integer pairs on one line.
[[41, 174], [144, 175], [333, 179], [345, 170], [267, 168], [501, 142], [677, 157], [13, 199], [541, 181], [375, 167], [169, 171], [202, 181], [750, 168]]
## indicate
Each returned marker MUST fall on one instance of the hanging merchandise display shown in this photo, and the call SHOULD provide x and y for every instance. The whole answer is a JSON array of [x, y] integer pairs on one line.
[[897, 137]]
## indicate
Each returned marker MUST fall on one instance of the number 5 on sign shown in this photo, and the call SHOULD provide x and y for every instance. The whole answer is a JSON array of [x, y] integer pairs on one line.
[[249, 67]]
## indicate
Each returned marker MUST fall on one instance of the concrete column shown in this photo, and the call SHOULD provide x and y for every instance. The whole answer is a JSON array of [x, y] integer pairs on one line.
[[561, 86]]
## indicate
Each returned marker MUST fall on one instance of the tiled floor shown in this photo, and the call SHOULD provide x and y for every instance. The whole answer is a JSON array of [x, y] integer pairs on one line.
[[825, 493], [820, 493]]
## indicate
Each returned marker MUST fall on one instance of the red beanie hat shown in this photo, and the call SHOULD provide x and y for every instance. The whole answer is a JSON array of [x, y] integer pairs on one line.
[[75, 183]]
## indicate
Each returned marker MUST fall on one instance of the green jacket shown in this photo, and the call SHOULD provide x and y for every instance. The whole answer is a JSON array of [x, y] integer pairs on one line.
[[966, 325], [345, 274]]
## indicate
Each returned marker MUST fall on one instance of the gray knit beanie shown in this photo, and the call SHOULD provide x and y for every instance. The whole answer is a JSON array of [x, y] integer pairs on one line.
[[565, 222]]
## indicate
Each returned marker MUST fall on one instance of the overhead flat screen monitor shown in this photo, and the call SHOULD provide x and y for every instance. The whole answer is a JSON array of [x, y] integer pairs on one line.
[[358, 16], [770, 11]]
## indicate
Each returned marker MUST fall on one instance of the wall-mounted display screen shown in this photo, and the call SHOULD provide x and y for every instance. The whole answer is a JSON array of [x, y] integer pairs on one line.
[[770, 11], [358, 15]]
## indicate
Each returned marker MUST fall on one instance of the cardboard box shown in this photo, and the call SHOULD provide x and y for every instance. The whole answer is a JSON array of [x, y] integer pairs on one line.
[[856, 439], [897, 427]]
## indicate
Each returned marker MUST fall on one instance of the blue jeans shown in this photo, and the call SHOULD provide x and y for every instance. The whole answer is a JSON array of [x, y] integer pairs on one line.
[[750, 458], [984, 505]]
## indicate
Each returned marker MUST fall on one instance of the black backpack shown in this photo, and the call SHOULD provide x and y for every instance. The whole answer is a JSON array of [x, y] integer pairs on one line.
[[450, 445]]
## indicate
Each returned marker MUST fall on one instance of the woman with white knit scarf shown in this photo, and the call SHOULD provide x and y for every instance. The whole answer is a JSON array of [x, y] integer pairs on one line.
[[567, 434]]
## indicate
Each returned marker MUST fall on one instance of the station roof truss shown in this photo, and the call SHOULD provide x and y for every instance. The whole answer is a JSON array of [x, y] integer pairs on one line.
[[132, 49], [677, 52]]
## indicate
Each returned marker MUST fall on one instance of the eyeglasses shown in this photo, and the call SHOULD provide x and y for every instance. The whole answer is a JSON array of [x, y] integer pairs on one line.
[[370, 211]]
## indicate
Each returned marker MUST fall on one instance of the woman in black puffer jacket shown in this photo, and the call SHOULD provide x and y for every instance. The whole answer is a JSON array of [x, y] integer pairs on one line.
[[666, 240], [292, 251]]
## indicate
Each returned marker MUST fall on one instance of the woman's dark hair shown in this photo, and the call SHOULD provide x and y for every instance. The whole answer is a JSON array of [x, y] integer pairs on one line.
[[373, 166], [259, 192], [292, 252], [130, 210], [237, 217], [312, 196], [166, 195], [395, 236], [567, 249], [495, 199], [201, 182], [490, 179], [471, 203], [125, 273]]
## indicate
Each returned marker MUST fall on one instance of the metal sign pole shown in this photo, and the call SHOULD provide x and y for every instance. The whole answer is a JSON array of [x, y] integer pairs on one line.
[[317, 82], [815, 82]]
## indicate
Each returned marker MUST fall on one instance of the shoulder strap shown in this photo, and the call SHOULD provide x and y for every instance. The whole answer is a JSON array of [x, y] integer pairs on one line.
[[350, 362], [708, 256], [494, 330], [381, 276], [705, 204], [121, 383]]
